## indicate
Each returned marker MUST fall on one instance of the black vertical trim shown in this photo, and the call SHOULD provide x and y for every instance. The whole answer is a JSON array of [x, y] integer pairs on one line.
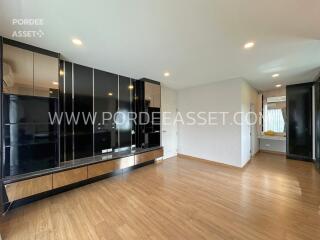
[[61, 110], [68, 108], [1, 104], [317, 122]]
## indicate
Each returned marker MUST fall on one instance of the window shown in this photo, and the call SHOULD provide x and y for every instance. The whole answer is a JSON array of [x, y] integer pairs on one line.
[[274, 115]]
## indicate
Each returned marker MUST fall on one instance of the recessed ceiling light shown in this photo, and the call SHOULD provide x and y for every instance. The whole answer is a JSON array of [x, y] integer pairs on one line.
[[55, 83], [166, 74], [110, 93], [278, 85], [77, 41], [275, 75], [249, 45]]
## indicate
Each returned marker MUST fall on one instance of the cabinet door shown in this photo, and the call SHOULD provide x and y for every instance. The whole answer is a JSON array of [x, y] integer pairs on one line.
[[153, 95], [46, 70], [17, 70], [317, 122], [68, 109], [83, 105], [105, 106], [21, 158], [124, 124], [299, 108]]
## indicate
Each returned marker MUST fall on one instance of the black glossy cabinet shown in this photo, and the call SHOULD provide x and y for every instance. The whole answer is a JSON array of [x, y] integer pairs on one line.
[[148, 100], [317, 122], [105, 106], [83, 106], [299, 117], [124, 124], [30, 140], [67, 104]]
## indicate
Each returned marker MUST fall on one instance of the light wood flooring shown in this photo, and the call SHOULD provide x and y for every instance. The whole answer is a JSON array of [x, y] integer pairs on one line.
[[181, 198]]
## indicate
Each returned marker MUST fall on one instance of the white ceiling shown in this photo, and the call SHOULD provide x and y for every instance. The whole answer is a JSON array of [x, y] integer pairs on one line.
[[197, 41]]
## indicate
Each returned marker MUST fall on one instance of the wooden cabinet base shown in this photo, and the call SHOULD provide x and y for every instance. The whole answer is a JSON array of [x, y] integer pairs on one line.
[[147, 156], [26, 188], [40, 187], [64, 178]]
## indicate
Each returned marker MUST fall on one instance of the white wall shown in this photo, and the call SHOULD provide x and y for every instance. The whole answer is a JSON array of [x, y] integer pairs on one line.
[[229, 143], [249, 143], [169, 138], [216, 143]]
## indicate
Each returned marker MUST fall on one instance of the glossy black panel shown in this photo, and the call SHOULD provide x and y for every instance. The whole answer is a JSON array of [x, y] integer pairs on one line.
[[1, 122], [125, 100], [317, 122], [134, 110], [139, 104], [83, 105], [147, 135], [61, 107], [28, 109], [28, 158], [105, 103], [68, 108], [299, 110]]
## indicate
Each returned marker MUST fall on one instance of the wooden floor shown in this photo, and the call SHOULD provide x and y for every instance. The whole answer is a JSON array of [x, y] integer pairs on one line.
[[271, 198]]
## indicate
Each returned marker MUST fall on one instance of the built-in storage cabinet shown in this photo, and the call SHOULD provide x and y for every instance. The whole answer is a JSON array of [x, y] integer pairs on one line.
[[27, 188], [83, 106], [317, 122], [105, 106], [30, 94], [67, 71], [299, 126], [17, 70], [29, 73], [124, 124], [36, 185], [30, 141], [46, 70], [152, 95], [68, 177], [148, 100]]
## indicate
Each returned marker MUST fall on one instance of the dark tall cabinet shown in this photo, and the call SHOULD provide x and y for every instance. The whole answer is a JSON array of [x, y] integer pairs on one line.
[[299, 125], [148, 101], [29, 97], [105, 105], [83, 105], [317, 122], [124, 124]]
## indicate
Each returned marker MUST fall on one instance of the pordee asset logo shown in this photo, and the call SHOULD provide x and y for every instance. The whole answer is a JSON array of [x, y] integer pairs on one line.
[[28, 33]]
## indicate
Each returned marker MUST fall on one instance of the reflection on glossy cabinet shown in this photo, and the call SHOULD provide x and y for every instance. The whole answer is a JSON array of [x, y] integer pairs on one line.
[[153, 94], [26, 188], [125, 162], [17, 70], [45, 75]]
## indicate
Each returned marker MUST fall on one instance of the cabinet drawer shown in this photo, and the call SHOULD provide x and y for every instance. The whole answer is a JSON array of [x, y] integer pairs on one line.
[[64, 178], [26, 188], [124, 162], [101, 168], [147, 156]]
